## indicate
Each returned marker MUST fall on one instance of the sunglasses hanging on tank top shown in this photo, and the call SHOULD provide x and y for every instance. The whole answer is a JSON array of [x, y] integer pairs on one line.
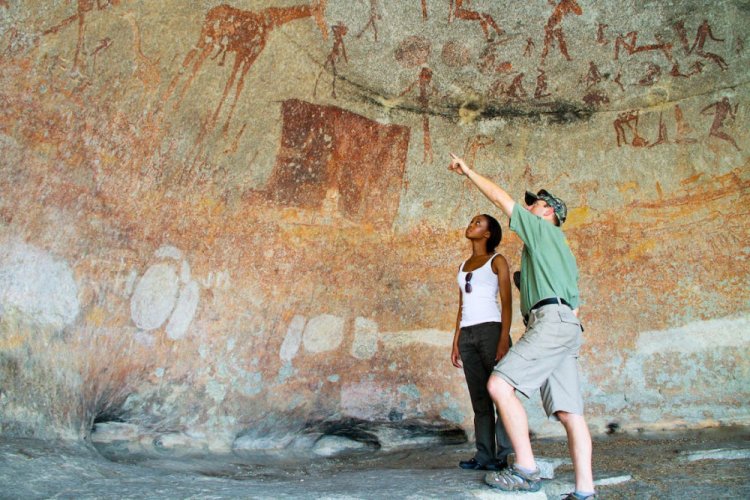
[[467, 286]]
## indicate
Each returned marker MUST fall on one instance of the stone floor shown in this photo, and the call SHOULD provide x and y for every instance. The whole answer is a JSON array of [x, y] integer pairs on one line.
[[712, 463]]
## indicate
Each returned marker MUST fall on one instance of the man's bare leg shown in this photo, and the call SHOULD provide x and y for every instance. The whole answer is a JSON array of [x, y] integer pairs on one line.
[[579, 444], [514, 419]]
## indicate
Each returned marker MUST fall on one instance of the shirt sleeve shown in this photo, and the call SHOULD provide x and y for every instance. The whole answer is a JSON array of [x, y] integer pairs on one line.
[[526, 225]]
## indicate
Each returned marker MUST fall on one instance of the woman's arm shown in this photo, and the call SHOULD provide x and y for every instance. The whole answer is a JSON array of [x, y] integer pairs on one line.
[[455, 354], [500, 266]]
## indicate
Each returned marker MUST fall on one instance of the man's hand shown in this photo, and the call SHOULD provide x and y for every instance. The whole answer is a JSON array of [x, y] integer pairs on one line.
[[455, 357], [458, 165], [497, 195]]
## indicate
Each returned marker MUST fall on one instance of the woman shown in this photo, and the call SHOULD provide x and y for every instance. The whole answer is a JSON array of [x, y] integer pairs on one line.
[[482, 336]]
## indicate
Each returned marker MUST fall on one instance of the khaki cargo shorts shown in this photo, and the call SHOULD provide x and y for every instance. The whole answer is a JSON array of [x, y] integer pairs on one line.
[[546, 358]]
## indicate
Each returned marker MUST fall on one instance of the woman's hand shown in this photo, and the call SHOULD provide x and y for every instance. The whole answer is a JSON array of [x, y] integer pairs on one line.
[[502, 349], [456, 357]]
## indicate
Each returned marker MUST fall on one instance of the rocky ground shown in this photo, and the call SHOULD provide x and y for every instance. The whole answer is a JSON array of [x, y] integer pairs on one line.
[[712, 463]]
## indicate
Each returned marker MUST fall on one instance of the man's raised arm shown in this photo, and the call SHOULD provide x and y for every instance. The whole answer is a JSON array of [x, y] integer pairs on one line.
[[497, 195]]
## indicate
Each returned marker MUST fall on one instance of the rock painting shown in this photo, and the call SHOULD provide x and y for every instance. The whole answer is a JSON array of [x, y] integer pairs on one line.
[[323, 333], [663, 137], [426, 91], [486, 21], [146, 69], [37, 285], [338, 51], [529, 50], [722, 111], [413, 52], [325, 149], [455, 54], [703, 34], [365, 343], [683, 128], [540, 92], [372, 21], [628, 121], [245, 33], [629, 43], [165, 294], [601, 37], [293, 338], [83, 7], [553, 31], [493, 59]]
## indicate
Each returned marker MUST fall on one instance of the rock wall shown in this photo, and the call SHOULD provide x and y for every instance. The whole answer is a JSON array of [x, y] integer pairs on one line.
[[224, 222]]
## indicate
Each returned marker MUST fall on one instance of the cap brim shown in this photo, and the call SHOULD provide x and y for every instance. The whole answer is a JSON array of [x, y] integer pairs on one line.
[[530, 198]]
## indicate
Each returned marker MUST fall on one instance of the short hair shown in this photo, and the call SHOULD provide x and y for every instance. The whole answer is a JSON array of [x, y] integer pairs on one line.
[[496, 233]]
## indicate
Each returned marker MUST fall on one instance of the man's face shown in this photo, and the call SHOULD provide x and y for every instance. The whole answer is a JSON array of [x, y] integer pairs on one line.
[[540, 208]]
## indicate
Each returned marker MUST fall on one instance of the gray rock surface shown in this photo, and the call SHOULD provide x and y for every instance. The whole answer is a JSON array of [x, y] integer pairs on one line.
[[624, 467]]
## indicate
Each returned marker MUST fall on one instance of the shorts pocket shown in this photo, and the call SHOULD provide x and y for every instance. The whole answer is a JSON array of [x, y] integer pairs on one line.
[[567, 316]]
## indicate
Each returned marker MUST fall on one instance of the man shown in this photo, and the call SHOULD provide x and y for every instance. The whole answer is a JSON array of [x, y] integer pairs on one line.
[[545, 357]]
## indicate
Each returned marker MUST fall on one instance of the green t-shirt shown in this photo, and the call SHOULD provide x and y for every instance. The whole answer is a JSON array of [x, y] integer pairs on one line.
[[548, 267]]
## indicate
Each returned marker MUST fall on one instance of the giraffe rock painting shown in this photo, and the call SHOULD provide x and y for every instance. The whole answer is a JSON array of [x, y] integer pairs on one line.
[[227, 29]]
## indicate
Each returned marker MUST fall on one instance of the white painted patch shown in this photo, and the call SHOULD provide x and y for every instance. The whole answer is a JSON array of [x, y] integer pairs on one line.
[[323, 333], [437, 338], [154, 297], [217, 280], [36, 284], [293, 339], [696, 337], [185, 272], [168, 251], [216, 390], [130, 282], [144, 338], [365, 343], [187, 303]]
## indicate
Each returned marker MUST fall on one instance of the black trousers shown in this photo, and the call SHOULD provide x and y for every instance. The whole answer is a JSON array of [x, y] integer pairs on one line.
[[477, 345]]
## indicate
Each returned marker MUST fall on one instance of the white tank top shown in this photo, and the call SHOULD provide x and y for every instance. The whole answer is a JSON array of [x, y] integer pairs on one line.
[[481, 305]]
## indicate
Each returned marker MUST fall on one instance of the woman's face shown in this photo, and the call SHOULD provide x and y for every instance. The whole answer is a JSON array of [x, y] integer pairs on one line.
[[477, 228]]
